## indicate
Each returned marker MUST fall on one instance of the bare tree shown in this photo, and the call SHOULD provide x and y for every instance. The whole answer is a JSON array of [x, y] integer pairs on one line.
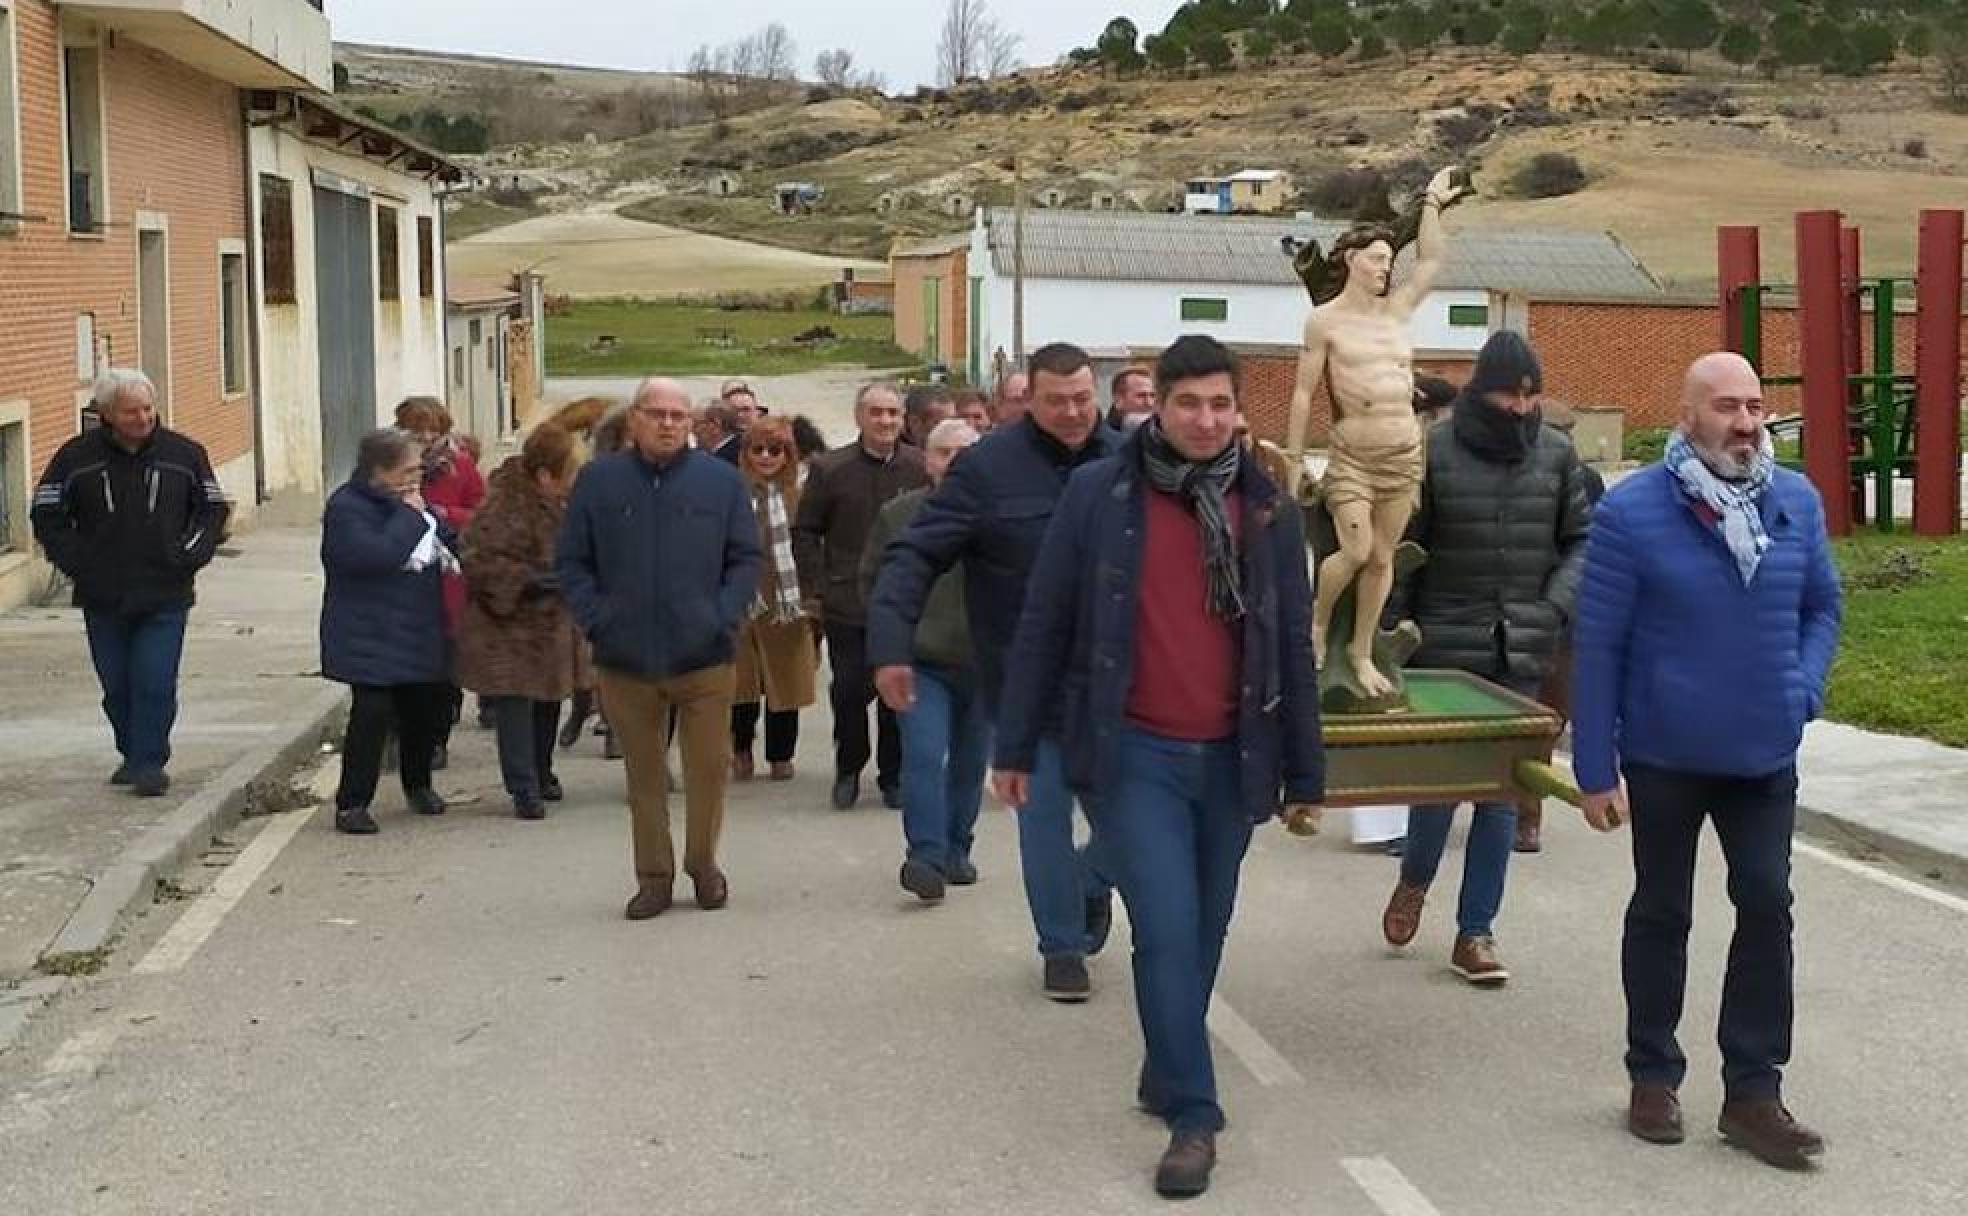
[[973, 44], [835, 68], [778, 55]]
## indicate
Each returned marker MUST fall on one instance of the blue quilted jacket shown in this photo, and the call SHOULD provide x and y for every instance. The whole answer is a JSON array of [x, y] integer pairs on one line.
[[1678, 665]]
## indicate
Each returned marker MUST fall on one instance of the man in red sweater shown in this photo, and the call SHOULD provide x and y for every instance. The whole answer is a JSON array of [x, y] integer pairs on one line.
[[1169, 613]]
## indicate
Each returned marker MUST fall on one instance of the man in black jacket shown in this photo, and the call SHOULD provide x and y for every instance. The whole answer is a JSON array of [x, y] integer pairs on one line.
[[1504, 519], [845, 490], [990, 514], [130, 511]]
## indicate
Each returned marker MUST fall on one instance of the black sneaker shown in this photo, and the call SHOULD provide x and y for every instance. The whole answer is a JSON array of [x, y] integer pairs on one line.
[[151, 783], [960, 873], [847, 792], [922, 880], [532, 809], [356, 821], [1099, 921], [550, 790], [1066, 979], [122, 775], [427, 802], [892, 797]]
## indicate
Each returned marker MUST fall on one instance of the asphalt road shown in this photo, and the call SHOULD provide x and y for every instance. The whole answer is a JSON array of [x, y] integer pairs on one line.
[[453, 1017]]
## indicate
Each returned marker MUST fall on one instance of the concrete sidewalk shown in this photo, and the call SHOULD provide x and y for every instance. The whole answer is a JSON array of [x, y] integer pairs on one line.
[[249, 693]]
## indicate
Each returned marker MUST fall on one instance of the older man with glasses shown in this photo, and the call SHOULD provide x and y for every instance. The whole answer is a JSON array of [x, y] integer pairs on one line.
[[659, 560]]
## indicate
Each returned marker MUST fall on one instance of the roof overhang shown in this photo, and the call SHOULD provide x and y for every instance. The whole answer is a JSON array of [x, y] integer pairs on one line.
[[267, 44]]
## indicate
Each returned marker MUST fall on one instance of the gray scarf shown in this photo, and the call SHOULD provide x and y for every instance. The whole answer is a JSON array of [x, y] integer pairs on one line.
[[1737, 504], [1202, 486]]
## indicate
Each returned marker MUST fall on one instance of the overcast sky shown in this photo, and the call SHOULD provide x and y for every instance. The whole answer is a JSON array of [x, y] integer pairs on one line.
[[895, 37]]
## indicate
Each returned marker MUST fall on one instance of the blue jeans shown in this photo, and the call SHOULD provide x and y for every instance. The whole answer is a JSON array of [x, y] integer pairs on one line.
[[1059, 877], [1485, 859], [945, 740], [136, 660], [1175, 840]]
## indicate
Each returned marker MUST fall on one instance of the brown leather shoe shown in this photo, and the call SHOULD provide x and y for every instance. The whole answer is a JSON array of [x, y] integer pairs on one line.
[[652, 898], [1403, 916], [782, 770], [1185, 1168], [1767, 1130], [741, 766], [1653, 1113], [1530, 830], [1475, 959], [713, 892]]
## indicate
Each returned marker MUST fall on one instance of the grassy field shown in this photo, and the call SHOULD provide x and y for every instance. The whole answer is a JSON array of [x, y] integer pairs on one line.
[[844, 224], [689, 339], [473, 214], [1902, 667]]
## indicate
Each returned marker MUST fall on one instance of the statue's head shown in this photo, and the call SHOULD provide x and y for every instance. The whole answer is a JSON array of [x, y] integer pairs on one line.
[[1365, 251]]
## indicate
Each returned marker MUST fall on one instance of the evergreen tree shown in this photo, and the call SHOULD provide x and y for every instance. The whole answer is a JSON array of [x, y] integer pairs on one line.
[[1740, 44], [1259, 46], [1212, 50], [1169, 52], [1688, 26], [1372, 46], [1409, 25], [1526, 26], [1481, 26], [1331, 35]]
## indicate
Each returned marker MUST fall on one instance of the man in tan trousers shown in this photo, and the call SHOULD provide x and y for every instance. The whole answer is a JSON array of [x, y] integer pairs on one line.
[[659, 560]]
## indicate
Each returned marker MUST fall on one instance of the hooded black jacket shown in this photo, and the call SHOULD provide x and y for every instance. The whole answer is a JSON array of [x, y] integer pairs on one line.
[[130, 529], [1504, 516]]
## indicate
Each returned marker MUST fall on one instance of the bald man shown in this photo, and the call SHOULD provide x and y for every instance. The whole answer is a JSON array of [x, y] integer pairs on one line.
[[1707, 621], [659, 561]]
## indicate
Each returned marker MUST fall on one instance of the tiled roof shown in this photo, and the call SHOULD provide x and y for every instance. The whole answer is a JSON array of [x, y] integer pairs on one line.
[[1169, 248]]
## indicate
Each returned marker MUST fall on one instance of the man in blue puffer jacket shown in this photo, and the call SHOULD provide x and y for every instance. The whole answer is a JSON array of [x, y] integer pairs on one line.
[[659, 561], [1707, 620]]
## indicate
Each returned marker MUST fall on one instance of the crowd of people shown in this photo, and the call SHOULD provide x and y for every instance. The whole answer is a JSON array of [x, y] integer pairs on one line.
[[1094, 610]]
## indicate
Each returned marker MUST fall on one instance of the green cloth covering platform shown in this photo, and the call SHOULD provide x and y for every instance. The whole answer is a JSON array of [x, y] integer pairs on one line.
[[1462, 738]]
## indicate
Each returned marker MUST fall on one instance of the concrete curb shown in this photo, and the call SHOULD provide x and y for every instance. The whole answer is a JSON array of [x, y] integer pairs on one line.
[[130, 881], [1948, 868]]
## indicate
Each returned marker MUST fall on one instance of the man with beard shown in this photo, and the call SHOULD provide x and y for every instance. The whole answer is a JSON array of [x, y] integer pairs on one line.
[[1708, 618]]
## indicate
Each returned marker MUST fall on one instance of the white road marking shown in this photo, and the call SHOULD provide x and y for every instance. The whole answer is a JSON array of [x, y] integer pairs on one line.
[[1885, 878], [1262, 1059], [199, 921], [83, 1052], [1388, 1187]]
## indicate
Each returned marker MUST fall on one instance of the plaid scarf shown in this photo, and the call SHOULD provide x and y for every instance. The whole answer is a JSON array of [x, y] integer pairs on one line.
[[1202, 486], [784, 606], [1738, 504]]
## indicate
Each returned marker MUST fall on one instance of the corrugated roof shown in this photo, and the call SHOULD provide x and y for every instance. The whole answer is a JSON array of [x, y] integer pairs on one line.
[[1167, 248]]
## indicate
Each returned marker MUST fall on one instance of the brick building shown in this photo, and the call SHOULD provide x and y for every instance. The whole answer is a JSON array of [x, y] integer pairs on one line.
[[124, 233]]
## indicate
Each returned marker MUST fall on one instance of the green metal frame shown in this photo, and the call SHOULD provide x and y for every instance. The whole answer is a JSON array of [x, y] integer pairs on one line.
[[1881, 420]]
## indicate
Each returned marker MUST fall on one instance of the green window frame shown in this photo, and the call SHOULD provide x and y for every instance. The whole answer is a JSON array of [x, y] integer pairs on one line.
[[1475, 315], [1205, 308]]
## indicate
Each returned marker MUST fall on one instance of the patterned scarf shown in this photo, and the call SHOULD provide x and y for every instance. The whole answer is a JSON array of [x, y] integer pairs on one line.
[[1738, 504], [784, 607], [1202, 486]]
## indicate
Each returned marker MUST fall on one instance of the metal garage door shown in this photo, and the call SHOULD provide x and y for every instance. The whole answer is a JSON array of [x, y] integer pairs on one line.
[[345, 302]]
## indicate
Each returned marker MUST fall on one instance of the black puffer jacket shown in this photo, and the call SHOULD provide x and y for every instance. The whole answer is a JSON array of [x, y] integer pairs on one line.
[[1504, 516]]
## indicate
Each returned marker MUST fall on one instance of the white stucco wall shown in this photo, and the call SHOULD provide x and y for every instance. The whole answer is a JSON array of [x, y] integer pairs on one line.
[[1103, 314], [409, 332]]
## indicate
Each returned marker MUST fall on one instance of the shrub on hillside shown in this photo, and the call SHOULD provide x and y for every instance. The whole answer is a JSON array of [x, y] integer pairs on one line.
[[1915, 147], [1550, 175], [1342, 191]]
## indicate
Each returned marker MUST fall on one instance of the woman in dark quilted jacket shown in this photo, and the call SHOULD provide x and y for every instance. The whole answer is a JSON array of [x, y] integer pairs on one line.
[[385, 555], [1504, 518]]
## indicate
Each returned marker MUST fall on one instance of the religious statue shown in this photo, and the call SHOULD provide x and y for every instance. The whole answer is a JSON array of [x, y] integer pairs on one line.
[[1357, 343]]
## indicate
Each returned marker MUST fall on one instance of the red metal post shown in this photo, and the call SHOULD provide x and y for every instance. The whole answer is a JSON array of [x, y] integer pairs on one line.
[[1937, 363], [1738, 265], [1821, 346]]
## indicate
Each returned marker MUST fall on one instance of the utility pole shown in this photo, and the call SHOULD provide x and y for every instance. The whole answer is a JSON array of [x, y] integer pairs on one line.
[[1017, 260]]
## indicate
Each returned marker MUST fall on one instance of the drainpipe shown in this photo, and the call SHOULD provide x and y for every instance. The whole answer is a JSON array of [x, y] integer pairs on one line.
[[254, 251]]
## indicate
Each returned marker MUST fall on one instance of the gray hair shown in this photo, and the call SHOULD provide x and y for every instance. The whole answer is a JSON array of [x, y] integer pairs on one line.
[[877, 386], [116, 381], [380, 451], [951, 433], [652, 385]]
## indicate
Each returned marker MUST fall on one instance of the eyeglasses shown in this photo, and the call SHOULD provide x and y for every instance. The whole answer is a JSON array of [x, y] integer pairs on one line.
[[768, 449]]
